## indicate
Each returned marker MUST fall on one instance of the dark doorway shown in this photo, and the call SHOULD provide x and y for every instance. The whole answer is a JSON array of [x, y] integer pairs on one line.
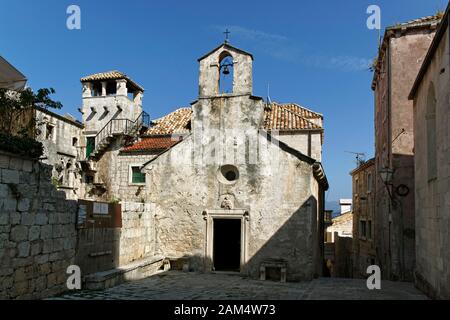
[[227, 244]]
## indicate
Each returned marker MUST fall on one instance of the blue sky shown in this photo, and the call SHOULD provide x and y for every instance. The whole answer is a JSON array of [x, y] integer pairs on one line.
[[314, 53]]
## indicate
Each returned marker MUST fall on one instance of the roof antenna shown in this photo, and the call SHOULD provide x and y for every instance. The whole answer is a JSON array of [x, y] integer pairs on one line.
[[269, 101]]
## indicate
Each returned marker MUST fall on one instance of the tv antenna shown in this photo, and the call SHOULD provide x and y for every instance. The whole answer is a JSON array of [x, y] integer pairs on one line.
[[360, 157]]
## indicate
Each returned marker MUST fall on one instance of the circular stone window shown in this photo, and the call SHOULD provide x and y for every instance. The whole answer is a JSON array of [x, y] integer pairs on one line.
[[228, 174]]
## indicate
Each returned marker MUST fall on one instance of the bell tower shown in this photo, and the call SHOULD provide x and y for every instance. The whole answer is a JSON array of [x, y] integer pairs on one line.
[[227, 120], [221, 62]]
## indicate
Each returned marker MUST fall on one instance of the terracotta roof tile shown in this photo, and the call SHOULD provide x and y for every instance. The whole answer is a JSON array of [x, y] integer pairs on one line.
[[290, 117], [283, 117], [152, 143], [110, 75], [176, 122]]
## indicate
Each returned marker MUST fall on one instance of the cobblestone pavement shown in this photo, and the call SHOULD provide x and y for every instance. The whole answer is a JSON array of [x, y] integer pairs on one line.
[[175, 285]]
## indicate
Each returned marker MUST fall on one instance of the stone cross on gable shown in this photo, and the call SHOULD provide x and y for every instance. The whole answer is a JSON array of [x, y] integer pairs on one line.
[[227, 33]]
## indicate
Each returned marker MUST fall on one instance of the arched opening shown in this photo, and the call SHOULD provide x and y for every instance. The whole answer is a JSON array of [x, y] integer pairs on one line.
[[431, 133], [226, 73]]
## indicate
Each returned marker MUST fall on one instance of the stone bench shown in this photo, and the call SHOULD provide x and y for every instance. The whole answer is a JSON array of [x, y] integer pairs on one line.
[[277, 264]]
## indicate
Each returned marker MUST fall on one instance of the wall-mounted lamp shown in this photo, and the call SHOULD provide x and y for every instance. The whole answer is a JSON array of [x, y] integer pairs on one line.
[[80, 111], [386, 175]]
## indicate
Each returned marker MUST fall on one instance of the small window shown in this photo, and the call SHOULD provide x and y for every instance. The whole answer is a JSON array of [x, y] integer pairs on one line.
[[228, 174], [111, 88], [90, 145], [369, 182], [49, 132], [369, 229], [363, 229], [136, 175], [74, 142], [97, 89], [89, 179]]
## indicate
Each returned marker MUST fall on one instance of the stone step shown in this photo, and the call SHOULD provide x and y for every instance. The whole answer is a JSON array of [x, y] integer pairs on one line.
[[136, 270]]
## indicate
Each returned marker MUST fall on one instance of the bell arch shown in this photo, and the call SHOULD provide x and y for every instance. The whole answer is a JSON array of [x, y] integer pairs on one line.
[[226, 73]]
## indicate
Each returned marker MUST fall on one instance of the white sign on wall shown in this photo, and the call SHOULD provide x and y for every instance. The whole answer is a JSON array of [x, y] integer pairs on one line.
[[100, 208]]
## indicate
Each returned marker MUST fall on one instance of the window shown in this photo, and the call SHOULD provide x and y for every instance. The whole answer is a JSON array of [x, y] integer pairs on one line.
[[362, 229], [74, 142], [228, 174], [369, 229], [89, 179], [49, 132], [90, 145], [97, 89], [431, 133], [369, 182], [137, 176], [111, 88]]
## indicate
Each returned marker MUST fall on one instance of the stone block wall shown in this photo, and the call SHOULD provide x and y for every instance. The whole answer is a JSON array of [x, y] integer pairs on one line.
[[432, 195], [37, 231], [137, 238], [102, 249]]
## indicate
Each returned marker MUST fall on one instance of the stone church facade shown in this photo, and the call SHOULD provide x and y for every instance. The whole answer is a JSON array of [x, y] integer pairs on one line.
[[236, 184]]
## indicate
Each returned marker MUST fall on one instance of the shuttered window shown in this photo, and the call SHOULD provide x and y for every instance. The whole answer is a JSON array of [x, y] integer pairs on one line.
[[137, 176]]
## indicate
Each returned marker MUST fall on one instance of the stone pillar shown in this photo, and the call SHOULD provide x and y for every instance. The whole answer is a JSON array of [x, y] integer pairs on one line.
[[138, 98], [87, 90], [103, 89], [122, 87]]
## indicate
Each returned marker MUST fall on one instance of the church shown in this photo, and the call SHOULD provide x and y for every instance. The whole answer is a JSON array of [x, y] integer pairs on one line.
[[235, 182]]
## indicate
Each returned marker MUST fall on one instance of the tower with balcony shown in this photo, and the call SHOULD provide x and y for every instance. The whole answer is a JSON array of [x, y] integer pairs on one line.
[[112, 105]]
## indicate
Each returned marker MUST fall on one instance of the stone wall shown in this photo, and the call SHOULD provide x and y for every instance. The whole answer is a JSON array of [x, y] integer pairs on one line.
[[137, 240], [309, 143], [37, 231], [101, 249], [280, 197], [114, 171], [62, 149], [402, 54], [364, 252], [433, 194]]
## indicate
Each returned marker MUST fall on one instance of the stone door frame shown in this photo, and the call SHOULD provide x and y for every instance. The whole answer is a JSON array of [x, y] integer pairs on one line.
[[209, 216]]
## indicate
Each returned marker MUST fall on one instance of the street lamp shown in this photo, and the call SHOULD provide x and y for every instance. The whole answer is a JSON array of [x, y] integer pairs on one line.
[[386, 175]]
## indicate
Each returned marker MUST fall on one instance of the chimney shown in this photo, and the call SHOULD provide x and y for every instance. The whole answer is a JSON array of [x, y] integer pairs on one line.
[[346, 205]]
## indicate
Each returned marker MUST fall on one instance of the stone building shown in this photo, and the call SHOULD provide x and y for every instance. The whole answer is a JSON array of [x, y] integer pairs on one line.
[[364, 238], [243, 189], [61, 137], [233, 183], [432, 151], [400, 56]]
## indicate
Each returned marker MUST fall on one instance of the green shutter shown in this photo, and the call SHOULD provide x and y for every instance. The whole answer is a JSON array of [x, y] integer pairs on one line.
[[137, 175], [90, 145]]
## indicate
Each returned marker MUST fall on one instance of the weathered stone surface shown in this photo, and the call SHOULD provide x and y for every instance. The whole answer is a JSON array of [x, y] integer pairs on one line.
[[4, 161], [19, 233], [23, 205], [432, 174], [27, 245], [27, 219], [41, 219], [23, 249], [10, 176], [4, 190], [34, 233], [46, 232]]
